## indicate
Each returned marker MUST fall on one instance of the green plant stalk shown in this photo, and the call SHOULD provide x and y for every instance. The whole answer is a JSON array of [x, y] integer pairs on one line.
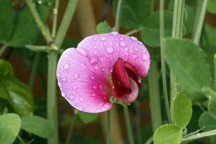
[[199, 136], [134, 31], [55, 18], [154, 95], [137, 118], [128, 126], [163, 64], [51, 96], [177, 27], [3, 48], [34, 70], [65, 22], [199, 20], [215, 71], [71, 127], [149, 141], [118, 15], [44, 30], [108, 127]]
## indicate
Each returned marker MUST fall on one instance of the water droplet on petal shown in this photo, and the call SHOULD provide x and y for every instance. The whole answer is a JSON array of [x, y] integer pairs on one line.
[[63, 94], [83, 52], [105, 43], [74, 92], [110, 44], [93, 94], [123, 44], [81, 99], [109, 50], [96, 67], [106, 105], [71, 97], [94, 87], [74, 87], [66, 66], [114, 33], [134, 38], [76, 76], [145, 57], [93, 60], [103, 38], [66, 56], [64, 79], [59, 84], [134, 56], [100, 86], [94, 47], [92, 77]]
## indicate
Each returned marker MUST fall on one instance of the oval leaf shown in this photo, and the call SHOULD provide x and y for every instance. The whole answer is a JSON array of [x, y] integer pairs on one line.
[[167, 134], [207, 122], [212, 6], [9, 128], [38, 126], [182, 110], [188, 63], [103, 27]]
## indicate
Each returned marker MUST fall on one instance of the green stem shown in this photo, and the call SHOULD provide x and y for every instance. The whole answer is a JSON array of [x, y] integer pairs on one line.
[[177, 27], [134, 31], [215, 71], [20, 139], [44, 30], [34, 70], [108, 127], [118, 15], [65, 22], [51, 96], [71, 127], [3, 48], [163, 65], [154, 95], [128, 126], [138, 118], [149, 141], [55, 18], [199, 20], [199, 136]]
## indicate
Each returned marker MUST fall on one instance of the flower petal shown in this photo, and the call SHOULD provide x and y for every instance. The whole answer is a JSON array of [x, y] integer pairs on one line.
[[109, 47], [82, 82]]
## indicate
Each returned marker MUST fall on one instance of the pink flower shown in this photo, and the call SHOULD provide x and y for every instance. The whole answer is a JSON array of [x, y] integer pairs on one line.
[[102, 69]]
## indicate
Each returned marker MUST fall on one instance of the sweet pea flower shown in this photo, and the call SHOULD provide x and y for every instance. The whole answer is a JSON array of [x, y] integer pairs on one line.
[[102, 70]]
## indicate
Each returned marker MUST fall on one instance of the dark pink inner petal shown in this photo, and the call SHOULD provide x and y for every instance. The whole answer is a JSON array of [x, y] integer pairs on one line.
[[122, 72]]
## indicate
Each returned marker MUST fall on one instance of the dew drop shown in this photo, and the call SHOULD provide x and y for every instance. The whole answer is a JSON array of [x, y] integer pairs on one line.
[[134, 38], [96, 67], [100, 86], [114, 33], [64, 79], [93, 60], [76, 76], [74, 87], [93, 94], [92, 77], [134, 56], [66, 56], [83, 52], [81, 99], [66, 66], [106, 105], [110, 44], [103, 38], [94, 87], [63, 94], [109, 50], [94, 47], [105, 44], [71, 97], [74, 92], [59, 84], [145, 57]]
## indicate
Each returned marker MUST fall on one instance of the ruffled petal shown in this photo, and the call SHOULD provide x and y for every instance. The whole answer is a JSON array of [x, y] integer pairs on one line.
[[109, 47], [83, 83]]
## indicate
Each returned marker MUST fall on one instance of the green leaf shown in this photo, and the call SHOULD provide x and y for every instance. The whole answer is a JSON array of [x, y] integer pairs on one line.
[[212, 6], [103, 27], [133, 12], [207, 122], [7, 16], [189, 65], [38, 126], [25, 31], [9, 128], [6, 69], [15, 92], [151, 32], [167, 134], [182, 110], [87, 117]]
